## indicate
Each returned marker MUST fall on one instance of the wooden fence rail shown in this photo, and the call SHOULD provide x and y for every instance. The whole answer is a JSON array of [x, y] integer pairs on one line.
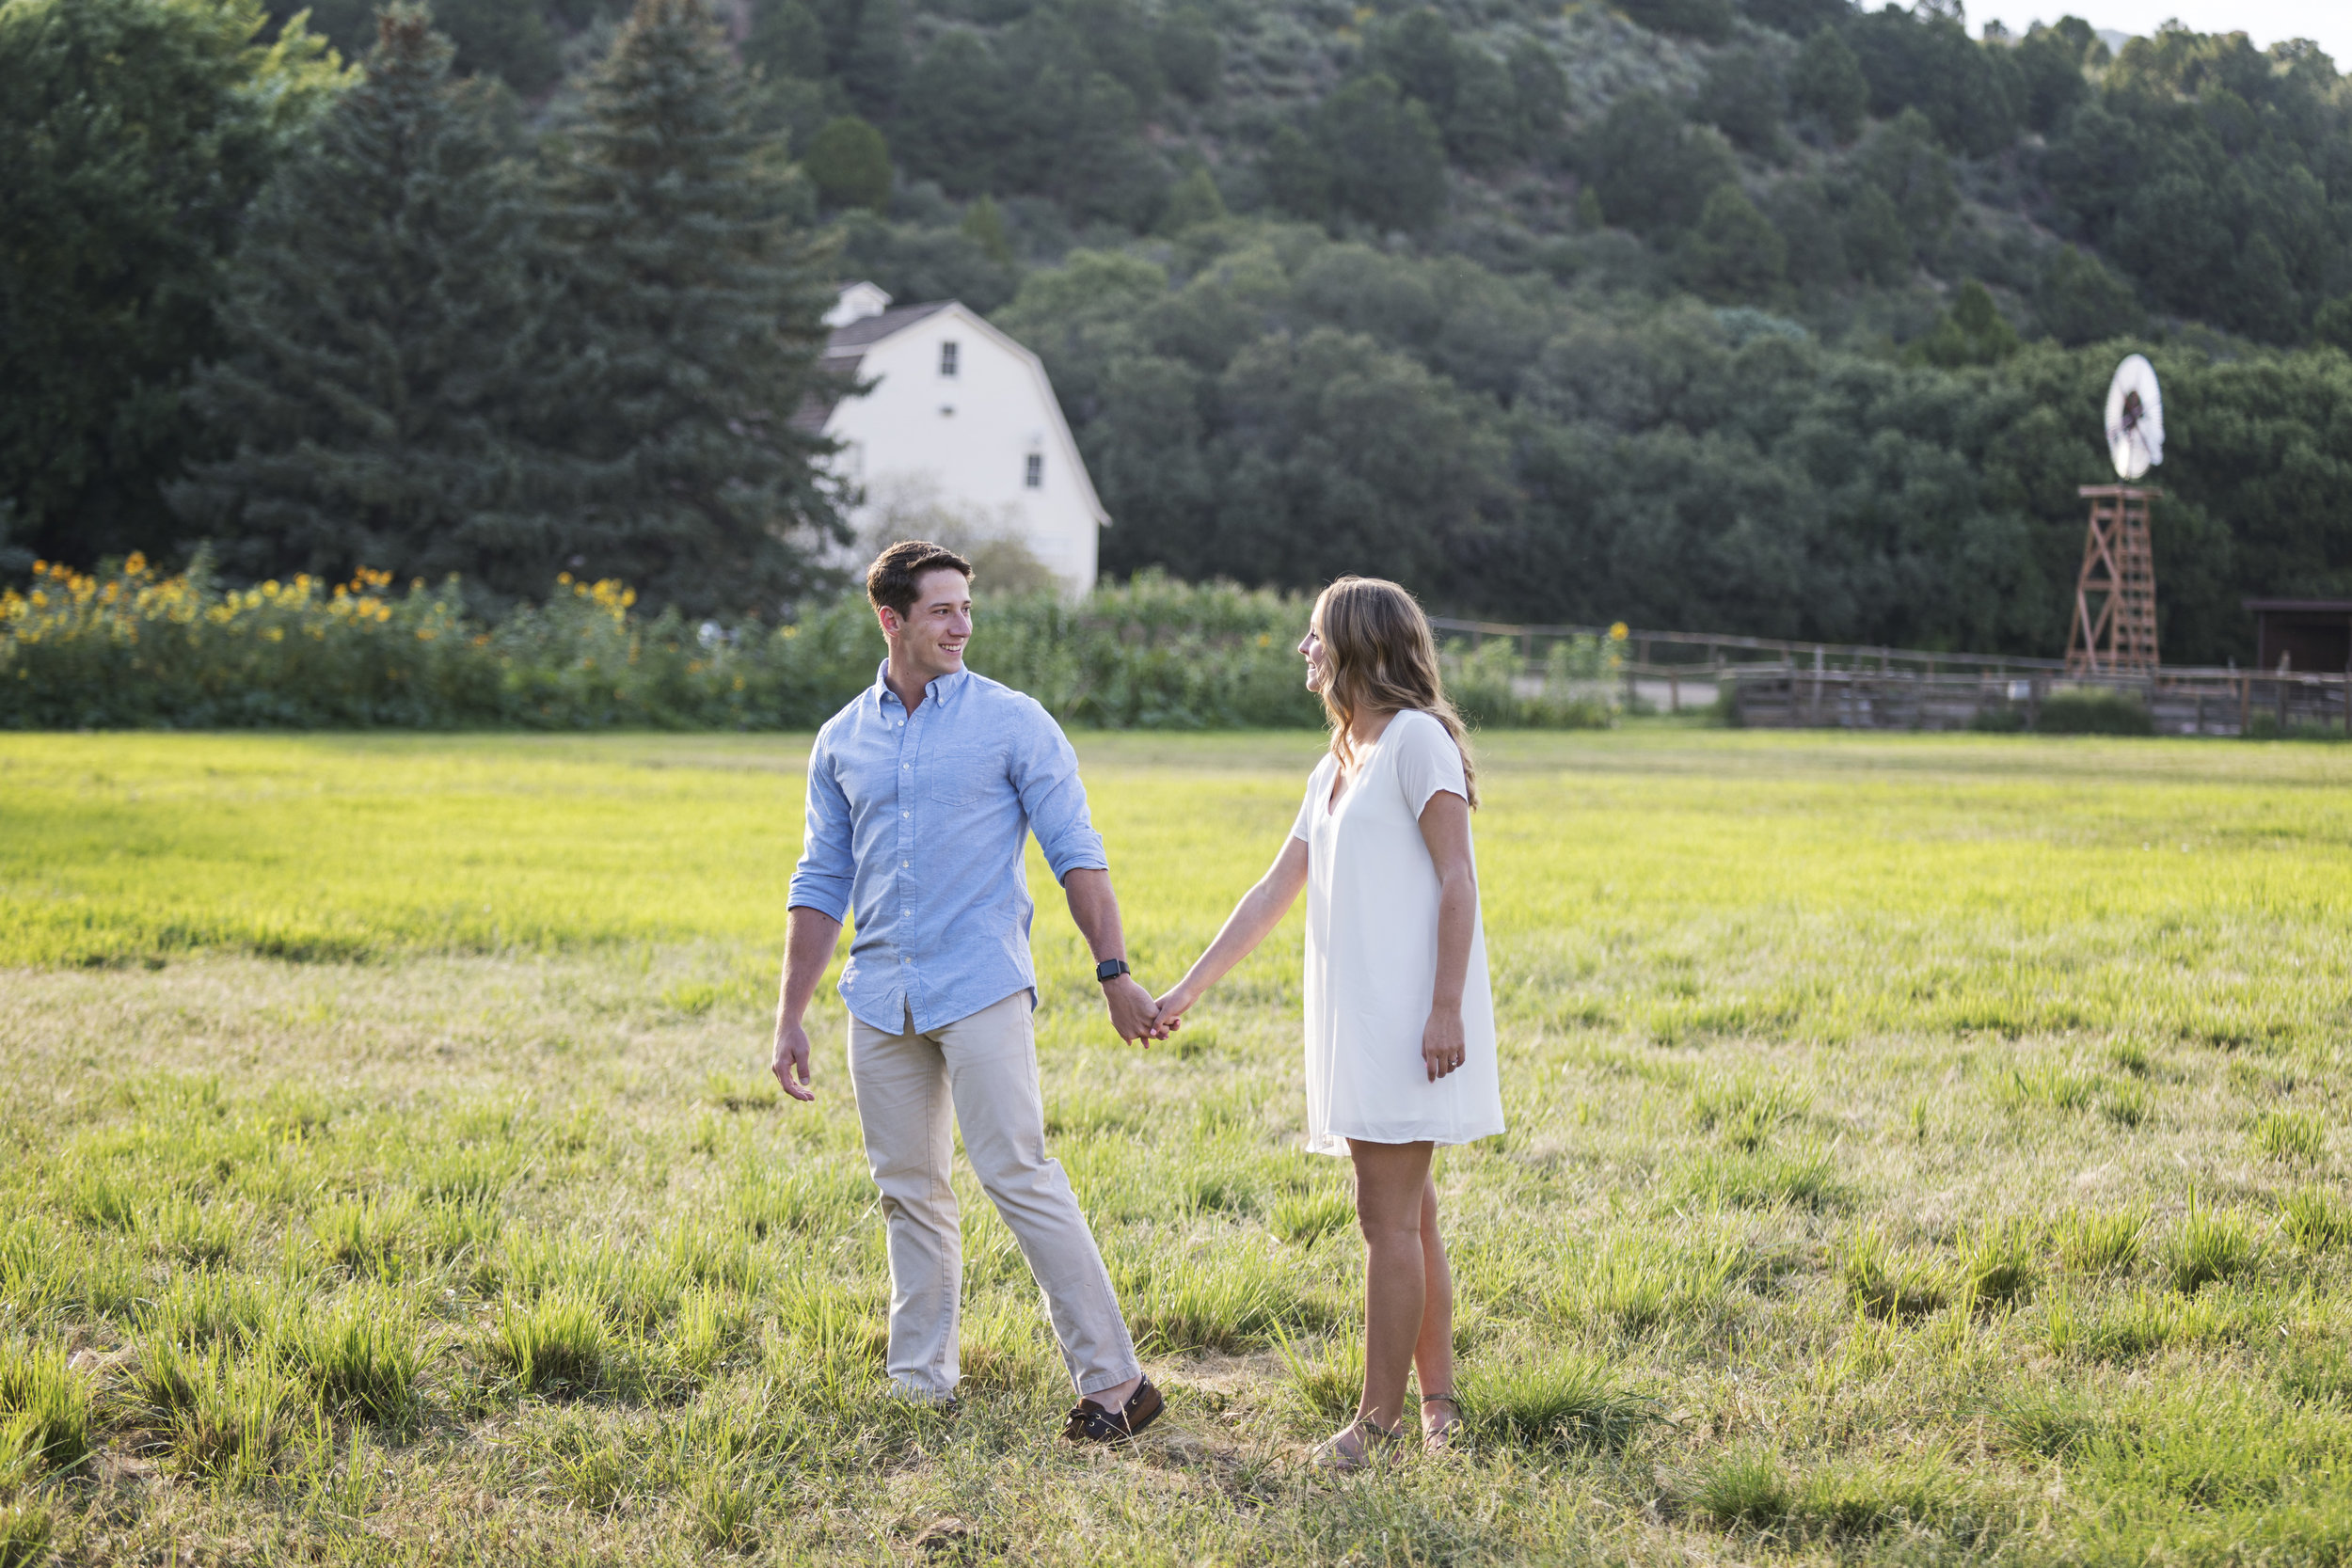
[[1720, 650], [1777, 683], [2179, 701]]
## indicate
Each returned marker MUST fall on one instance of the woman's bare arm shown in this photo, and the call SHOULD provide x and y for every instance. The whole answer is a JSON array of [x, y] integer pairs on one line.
[[1445, 828], [1260, 910]]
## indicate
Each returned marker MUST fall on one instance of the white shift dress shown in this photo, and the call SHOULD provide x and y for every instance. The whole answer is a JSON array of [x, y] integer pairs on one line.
[[1371, 955]]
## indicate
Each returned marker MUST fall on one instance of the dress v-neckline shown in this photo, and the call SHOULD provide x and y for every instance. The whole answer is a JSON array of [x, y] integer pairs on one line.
[[1331, 802]]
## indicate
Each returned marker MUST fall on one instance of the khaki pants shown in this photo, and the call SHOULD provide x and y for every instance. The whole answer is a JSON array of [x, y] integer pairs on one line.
[[985, 1066]]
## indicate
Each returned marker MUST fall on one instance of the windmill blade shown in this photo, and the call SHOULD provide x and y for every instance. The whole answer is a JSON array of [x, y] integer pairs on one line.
[[2135, 418]]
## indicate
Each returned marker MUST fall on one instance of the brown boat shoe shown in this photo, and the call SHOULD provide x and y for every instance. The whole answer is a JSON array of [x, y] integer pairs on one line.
[[1092, 1423]]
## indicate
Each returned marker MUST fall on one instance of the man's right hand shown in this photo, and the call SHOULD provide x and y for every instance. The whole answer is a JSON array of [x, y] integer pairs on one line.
[[1133, 1012], [791, 1059]]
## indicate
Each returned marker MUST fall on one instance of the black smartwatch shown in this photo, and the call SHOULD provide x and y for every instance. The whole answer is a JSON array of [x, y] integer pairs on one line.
[[1111, 969]]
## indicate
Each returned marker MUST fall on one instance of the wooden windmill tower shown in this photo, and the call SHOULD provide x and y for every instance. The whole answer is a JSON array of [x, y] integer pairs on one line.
[[2115, 595]]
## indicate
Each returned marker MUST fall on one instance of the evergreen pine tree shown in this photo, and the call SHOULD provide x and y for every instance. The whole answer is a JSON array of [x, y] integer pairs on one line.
[[374, 312], [693, 321]]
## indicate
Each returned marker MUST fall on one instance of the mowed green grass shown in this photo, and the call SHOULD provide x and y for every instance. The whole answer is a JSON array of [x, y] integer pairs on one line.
[[1922, 1148]]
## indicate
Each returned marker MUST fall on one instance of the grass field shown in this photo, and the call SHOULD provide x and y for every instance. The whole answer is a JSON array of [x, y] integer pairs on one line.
[[1922, 1150]]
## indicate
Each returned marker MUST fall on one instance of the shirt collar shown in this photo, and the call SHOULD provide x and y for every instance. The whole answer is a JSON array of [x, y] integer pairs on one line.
[[941, 690]]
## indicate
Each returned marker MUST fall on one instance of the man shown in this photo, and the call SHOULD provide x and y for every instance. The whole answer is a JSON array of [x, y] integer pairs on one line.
[[920, 795]]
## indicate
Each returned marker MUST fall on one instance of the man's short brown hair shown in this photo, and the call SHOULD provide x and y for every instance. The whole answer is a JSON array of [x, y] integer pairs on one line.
[[892, 579]]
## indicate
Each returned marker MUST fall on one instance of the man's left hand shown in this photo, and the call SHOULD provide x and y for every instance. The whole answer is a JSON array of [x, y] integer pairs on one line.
[[1134, 1014]]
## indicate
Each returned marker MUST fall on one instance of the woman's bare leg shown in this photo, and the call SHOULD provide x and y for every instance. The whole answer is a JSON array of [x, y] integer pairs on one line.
[[1433, 1351], [1392, 1183]]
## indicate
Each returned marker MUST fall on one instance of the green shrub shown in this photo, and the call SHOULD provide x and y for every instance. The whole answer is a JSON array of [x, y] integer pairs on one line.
[[2093, 710], [132, 648]]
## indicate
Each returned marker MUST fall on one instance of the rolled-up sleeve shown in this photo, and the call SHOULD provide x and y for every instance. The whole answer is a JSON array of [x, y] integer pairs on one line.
[[827, 866], [1045, 772]]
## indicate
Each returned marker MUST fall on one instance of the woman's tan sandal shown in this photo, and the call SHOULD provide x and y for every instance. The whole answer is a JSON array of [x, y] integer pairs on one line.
[[1333, 1453], [1441, 1436]]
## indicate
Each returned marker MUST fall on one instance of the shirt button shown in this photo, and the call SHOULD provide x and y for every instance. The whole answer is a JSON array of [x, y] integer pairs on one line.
[[906, 814], [906, 863]]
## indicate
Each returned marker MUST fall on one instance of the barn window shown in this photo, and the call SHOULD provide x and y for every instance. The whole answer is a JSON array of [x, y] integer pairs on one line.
[[947, 359], [1033, 471]]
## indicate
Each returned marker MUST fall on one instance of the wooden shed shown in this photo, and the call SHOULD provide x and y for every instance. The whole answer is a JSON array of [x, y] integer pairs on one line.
[[2311, 635]]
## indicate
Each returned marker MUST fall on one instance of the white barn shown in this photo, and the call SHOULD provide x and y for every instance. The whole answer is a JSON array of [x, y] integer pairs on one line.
[[961, 423]]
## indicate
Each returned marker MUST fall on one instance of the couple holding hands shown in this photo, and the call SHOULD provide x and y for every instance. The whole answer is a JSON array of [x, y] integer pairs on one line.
[[921, 793]]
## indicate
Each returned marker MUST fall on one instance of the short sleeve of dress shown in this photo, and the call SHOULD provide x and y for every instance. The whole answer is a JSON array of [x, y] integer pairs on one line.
[[1304, 827], [1427, 760]]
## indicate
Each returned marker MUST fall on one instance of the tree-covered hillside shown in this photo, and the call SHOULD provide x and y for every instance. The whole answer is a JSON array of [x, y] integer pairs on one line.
[[1769, 315]]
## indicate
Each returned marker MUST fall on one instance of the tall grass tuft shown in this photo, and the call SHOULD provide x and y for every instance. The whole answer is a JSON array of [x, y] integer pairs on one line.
[[1996, 1260], [2314, 1221], [2100, 1241], [1304, 1218], [361, 1355], [1803, 1177], [724, 1501], [698, 1338], [557, 1343], [185, 1231], [1330, 1387], [1888, 1284], [2291, 1135], [2046, 1421], [1848, 1500], [1748, 1488], [101, 1198], [2046, 1083], [1745, 1108], [49, 1404], [231, 1418], [364, 1236], [1640, 1282], [1002, 1348], [1228, 1300], [25, 1530], [1566, 1401], [2211, 1246]]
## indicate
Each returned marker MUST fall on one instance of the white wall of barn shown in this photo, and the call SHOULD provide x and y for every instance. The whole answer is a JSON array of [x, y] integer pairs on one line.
[[987, 441]]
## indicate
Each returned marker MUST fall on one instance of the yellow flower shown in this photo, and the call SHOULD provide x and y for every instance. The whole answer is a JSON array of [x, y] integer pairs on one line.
[[1618, 633], [136, 565]]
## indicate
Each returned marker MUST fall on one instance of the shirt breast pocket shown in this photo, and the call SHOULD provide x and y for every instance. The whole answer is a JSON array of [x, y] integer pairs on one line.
[[962, 775]]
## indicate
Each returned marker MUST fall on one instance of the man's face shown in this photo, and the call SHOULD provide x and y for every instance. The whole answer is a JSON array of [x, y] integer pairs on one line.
[[931, 635]]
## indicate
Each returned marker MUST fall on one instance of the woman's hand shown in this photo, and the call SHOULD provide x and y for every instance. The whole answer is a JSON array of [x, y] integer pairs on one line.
[[1177, 1002], [1443, 1047]]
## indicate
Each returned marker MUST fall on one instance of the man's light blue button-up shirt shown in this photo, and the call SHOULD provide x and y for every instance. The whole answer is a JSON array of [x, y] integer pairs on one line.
[[916, 825]]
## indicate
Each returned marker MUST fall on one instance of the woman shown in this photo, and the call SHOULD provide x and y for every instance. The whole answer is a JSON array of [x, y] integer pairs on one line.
[[1400, 1024]]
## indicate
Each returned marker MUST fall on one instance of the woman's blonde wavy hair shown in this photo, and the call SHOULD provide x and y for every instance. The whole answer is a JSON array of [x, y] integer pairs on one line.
[[1383, 658]]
